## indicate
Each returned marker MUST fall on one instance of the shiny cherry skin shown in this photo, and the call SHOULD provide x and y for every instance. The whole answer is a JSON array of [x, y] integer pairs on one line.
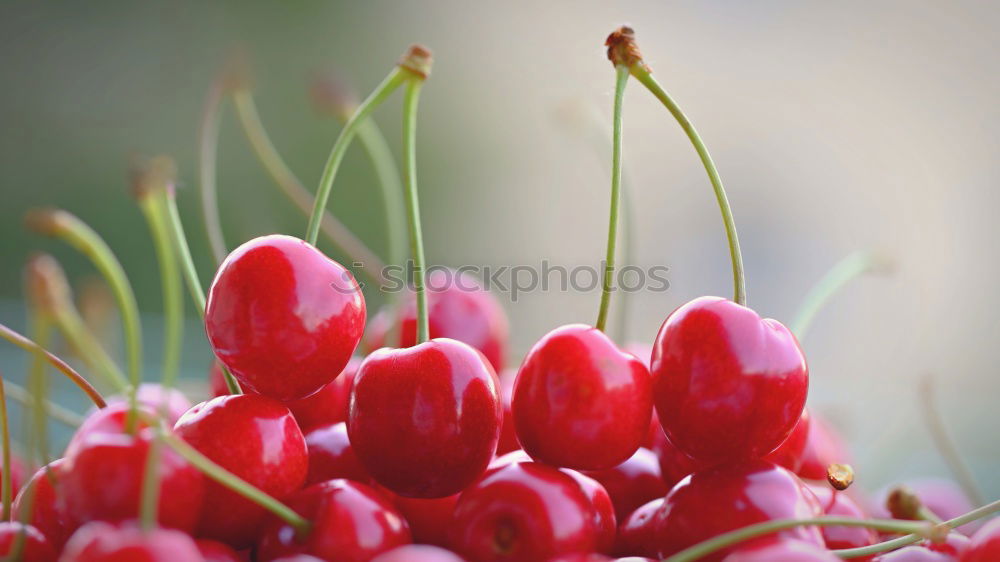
[[942, 497], [914, 554], [429, 519], [840, 504], [728, 497], [329, 405], [637, 531], [674, 464], [604, 510], [728, 385], [99, 541], [425, 420], [786, 550], [523, 511], [331, 456], [41, 497], [36, 547], [110, 419], [457, 308], [350, 521], [579, 401], [824, 446], [283, 317], [791, 453], [418, 553], [168, 401], [633, 482], [508, 434], [985, 544], [102, 480], [257, 439], [215, 551]]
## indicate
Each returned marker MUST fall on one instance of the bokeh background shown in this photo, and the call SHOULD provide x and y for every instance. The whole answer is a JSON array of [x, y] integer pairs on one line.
[[836, 126]]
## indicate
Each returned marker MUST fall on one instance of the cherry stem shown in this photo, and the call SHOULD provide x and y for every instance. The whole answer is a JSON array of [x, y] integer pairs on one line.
[[946, 445], [41, 331], [208, 145], [843, 272], [60, 413], [150, 494], [32, 347], [410, 102], [396, 77], [233, 482], [7, 485], [621, 80], [88, 348]]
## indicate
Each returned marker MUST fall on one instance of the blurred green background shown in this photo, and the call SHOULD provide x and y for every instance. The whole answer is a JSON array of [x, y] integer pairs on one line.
[[837, 127]]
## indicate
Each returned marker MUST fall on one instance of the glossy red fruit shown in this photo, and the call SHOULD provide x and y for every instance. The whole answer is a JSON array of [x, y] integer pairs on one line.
[[328, 406], [255, 438], [840, 504], [579, 401], [604, 510], [350, 522], [99, 541], [942, 497], [425, 420], [674, 464], [728, 385], [985, 544], [508, 433], [637, 531], [824, 447], [721, 499], [786, 550], [102, 480], [19, 473], [953, 545], [283, 317], [168, 401], [523, 512], [915, 554], [791, 453], [418, 553], [110, 419], [458, 308], [429, 519], [41, 497], [517, 455], [35, 547], [331, 456], [215, 551], [633, 482]]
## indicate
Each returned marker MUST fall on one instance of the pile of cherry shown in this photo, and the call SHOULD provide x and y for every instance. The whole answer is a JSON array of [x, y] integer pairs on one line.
[[435, 449]]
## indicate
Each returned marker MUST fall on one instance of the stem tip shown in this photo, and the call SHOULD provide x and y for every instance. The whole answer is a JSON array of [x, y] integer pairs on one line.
[[840, 476], [418, 60], [622, 48], [147, 175]]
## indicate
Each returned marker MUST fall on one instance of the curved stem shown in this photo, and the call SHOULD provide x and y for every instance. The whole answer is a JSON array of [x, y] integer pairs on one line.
[[173, 292], [41, 330], [621, 80], [410, 102], [32, 347], [946, 445], [395, 78], [843, 272], [61, 414], [642, 74], [208, 144], [7, 485]]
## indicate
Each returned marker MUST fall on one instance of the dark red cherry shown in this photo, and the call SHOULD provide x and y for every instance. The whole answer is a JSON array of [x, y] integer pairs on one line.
[[824, 447], [985, 544], [458, 308], [728, 497], [790, 454], [418, 553], [99, 541], [637, 531], [330, 404], [425, 420], [349, 521], [255, 438], [523, 511], [728, 385], [215, 551], [429, 519], [217, 381], [633, 482], [41, 497], [283, 317], [840, 504], [102, 480], [579, 401], [674, 464], [35, 547], [331, 456], [785, 550], [508, 433], [168, 401], [298, 558], [942, 497]]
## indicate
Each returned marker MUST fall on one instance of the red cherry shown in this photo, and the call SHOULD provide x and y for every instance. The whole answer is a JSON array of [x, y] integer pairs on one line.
[[604, 511], [298, 558], [721, 499], [283, 317], [429, 519], [99, 541], [508, 434], [786, 550], [458, 308], [836, 503], [215, 551], [633, 482], [425, 420], [41, 498], [18, 473], [350, 522], [637, 531], [110, 419], [915, 554], [169, 401], [823, 448], [517, 455], [790, 454], [579, 401], [728, 385], [217, 381], [942, 497], [674, 464], [330, 404], [418, 553], [35, 546], [331, 456], [255, 438], [102, 480], [523, 512], [985, 544]]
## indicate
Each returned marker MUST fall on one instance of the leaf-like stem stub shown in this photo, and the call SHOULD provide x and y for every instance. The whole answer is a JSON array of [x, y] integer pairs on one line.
[[46, 285], [623, 50], [418, 61]]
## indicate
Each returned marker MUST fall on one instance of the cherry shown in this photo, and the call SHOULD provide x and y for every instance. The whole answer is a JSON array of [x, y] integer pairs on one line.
[[637, 531], [985, 544], [914, 554], [331, 455], [791, 453], [110, 419], [18, 473], [283, 317], [823, 448], [215, 551], [953, 545], [508, 433], [425, 420], [604, 510], [418, 553], [349, 521], [160, 399], [633, 482], [257, 439], [942, 497], [729, 386], [458, 308], [524, 511], [429, 519], [102, 480], [786, 550], [724, 498], [579, 401], [840, 504], [99, 541], [330, 404], [41, 496], [36, 547], [674, 464]]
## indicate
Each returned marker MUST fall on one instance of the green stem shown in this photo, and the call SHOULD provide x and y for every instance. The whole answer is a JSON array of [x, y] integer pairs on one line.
[[621, 80], [150, 495], [208, 145], [41, 331], [642, 74], [395, 79], [32, 347], [946, 445], [173, 292], [8, 485], [410, 102], [61, 414], [843, 272]]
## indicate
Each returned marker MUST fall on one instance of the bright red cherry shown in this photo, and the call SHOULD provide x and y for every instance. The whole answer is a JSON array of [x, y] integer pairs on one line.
[[41, 497], [525, 512], [331, 456], [169, 401], [633, 482], [99, 541], [350, 522], [836, 503], [786, 550], [110, 419], [790, 454], [458, 308], [915, 554], [255, 438], [824, 447], [102, 480], [721, 499], [637, 531], [429, 519], [579, 401], [215, 551], [425, 420], [674, 464], [508, 433], [728, 385], [35, 546], [604, 510], [330, 404], [985, 544], [283, 317], [418, 553]]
